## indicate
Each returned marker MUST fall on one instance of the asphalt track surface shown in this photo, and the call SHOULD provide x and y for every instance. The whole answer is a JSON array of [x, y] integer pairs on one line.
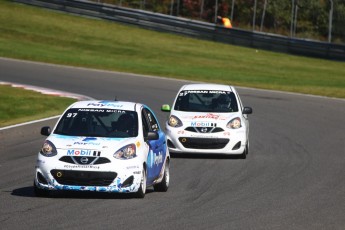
[[293, 177]]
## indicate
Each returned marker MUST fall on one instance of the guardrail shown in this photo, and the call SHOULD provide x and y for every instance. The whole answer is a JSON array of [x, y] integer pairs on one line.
[[197, 29]]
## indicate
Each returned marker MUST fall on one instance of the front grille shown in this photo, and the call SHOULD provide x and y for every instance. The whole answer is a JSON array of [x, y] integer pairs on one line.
[[204, 143], [84, 160], [83, 178], [204, 129], [101, 160]]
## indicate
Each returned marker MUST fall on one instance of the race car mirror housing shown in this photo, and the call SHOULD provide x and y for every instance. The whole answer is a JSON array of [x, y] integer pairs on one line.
[[45, 131], [151, 136], [166, 108], [247, 110]]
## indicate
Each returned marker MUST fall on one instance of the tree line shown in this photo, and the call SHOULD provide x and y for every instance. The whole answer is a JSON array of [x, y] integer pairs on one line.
[[322, 20]]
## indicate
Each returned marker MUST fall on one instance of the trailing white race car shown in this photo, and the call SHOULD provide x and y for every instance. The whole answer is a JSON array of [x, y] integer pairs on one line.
[[208, 118], [104, 146]]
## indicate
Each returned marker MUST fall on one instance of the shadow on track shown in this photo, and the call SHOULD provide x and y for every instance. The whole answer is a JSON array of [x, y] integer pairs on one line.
[[205, 156], [29, 192]]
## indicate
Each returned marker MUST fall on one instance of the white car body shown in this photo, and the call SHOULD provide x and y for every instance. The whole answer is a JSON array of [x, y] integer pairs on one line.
[[197, 125], [93, 162]]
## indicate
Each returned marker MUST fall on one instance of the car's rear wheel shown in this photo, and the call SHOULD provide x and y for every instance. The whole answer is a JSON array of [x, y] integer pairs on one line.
[[40, 192], [164, 184], [142, 189]]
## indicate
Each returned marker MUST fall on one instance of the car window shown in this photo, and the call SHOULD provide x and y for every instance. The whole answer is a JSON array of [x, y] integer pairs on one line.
[[98, 123], [206, 101], [150, 120], [239, 101]]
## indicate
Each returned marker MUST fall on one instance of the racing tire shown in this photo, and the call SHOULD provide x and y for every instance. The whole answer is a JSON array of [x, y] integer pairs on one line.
[[245, 152], [142, 189], [40, 192], [248, 147], [164, 184]]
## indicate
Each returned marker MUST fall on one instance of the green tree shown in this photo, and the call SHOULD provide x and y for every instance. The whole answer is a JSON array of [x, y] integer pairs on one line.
[[312, 16]]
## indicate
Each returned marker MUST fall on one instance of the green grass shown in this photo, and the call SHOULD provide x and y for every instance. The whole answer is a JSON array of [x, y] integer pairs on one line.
[[19, 105], [37, 34]]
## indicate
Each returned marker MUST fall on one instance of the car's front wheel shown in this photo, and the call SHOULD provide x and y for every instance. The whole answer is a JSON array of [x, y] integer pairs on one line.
[[245, 152], [164, 184], [142, 189]]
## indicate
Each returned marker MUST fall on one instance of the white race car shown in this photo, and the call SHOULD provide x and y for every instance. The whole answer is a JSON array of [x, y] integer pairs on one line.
[[103, 146], [208, 118]]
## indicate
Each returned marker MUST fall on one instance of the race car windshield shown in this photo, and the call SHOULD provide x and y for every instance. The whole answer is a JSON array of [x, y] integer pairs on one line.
[[98, 123], [206, 101]]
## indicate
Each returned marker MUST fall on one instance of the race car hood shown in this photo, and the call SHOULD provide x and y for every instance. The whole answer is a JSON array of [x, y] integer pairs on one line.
[[88, 143], [204, 119]]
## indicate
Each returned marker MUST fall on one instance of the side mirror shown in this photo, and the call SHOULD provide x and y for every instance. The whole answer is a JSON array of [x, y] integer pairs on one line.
[[247, 110], [45, 131], [152, 136], [166, 108]]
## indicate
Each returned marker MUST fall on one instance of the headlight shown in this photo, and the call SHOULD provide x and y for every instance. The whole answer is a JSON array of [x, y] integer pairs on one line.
[[234, 123], [127, 152], [174, 121], [48, 149]]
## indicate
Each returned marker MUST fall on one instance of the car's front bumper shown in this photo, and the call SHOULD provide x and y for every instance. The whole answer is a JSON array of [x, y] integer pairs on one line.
[[181, 141], [124, 177]]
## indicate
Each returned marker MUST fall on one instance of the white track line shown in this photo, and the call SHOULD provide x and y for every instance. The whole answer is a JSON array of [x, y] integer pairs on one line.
[[29, 122], [43, 91]]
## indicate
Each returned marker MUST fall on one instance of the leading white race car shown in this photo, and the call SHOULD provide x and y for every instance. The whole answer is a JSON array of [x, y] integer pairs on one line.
[[104, 146], [208, 118]]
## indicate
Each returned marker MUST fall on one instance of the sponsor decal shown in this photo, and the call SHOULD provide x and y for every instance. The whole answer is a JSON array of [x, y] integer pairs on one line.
[[132, 167], [105, 103], [184, 93], [72, 152], [202, 124], [85, 143], [208, 116], [154, 159], [138, 144], [97, 153], [81, 166], [115, 111], [82, 152], [97, 111], [91, 110], [158, 158]]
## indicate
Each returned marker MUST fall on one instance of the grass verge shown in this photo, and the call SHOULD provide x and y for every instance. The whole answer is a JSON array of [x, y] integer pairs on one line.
[[19, 105], [31, 33], [37, 34]]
